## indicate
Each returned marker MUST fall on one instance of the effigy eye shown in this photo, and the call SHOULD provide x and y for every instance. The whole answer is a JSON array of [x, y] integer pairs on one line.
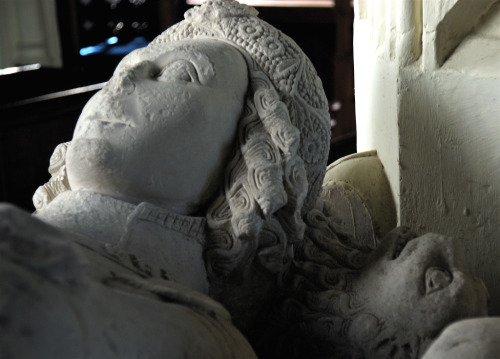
[[178, 71]]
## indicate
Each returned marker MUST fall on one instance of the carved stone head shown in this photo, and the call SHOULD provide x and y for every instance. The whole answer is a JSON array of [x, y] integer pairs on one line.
[[252, 148], [275, 174], [413, 287], [388, 303], [162, 128]]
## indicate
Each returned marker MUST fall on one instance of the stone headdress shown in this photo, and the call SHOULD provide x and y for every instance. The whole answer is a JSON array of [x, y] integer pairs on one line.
[[284, 135], [280, 58], [277, 177]]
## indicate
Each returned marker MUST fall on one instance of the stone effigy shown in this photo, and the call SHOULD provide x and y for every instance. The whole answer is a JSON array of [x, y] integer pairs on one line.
[[470, 338], [349, 301], [184, 220], [185, 181]]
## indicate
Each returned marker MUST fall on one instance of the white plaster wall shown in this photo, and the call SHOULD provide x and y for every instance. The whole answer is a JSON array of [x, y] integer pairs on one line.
[[376, 85], [438, 133]]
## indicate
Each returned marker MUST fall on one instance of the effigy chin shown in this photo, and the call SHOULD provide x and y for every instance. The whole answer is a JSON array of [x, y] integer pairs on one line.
[[189, 217]]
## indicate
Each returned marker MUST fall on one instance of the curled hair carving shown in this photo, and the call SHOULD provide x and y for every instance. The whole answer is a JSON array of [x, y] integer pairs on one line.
[[319, 305], [265, 183]]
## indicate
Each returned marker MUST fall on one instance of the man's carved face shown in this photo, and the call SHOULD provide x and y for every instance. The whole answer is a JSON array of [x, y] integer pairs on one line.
[[161, 128], [416, 288]]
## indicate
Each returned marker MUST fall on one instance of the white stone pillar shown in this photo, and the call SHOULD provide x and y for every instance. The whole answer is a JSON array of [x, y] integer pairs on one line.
[[427, 80]]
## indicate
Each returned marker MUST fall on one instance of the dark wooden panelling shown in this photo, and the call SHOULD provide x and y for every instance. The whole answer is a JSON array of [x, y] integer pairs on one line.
[[28, 135]]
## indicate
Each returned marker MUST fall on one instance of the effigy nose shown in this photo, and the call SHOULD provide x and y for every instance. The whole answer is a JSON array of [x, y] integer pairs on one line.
[[124, 81]]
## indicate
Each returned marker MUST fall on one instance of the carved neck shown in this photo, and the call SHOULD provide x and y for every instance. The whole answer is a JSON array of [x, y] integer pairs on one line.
[[169, 245], [99, 217]]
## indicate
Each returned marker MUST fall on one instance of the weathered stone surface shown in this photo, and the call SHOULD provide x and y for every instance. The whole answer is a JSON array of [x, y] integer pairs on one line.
[[471, 338], [184, 220], [183, 188]]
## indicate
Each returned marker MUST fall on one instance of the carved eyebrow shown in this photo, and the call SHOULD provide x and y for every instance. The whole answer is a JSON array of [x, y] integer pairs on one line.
[[185, 65], [201, 62]]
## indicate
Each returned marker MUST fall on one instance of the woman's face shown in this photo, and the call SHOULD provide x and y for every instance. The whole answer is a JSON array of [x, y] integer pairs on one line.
[[417, 287], [161, 129]]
